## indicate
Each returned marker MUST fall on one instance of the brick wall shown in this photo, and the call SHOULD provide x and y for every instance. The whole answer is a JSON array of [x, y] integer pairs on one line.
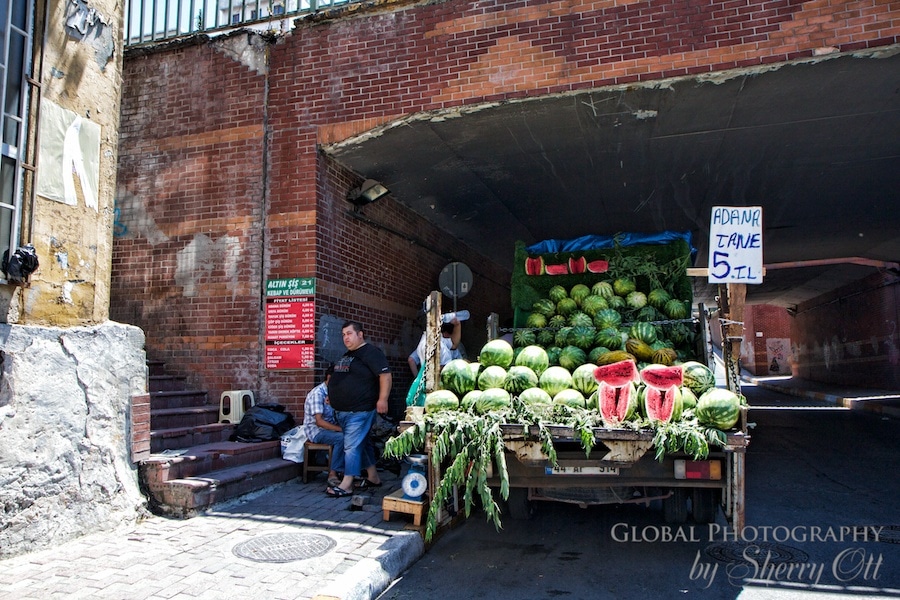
[[766, 348], [850, 336], [222, 186]]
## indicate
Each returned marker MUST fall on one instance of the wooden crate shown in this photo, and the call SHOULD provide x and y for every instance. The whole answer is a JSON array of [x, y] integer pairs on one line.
[[396, 503]]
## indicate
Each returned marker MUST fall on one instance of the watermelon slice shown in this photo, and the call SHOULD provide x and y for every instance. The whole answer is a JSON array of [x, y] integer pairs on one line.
[[618, 373], [662, 398], [616, 395]]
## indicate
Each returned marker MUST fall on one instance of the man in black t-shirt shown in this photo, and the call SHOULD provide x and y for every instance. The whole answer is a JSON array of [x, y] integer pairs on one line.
[[359, 387]]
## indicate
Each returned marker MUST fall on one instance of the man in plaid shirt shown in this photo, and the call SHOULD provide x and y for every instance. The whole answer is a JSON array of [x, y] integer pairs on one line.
[[320, 426]]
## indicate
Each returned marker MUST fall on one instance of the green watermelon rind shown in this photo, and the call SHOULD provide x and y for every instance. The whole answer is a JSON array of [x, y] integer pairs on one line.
[[698, 377], [719, 408]]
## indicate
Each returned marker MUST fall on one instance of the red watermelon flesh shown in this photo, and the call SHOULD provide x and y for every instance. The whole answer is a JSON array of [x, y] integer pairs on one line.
[[616, 404], [662, 377], [617, 374], [663, 405]]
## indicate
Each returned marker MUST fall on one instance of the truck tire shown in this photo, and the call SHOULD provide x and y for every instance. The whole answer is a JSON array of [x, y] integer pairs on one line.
[[675, 506], [518, 505], [704, 505]]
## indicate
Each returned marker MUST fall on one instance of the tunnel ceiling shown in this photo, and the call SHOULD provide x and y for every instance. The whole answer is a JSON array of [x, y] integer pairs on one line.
[[816, 144]]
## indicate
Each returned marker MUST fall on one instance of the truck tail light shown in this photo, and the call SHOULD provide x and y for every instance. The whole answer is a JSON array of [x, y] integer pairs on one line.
[[698, 469]]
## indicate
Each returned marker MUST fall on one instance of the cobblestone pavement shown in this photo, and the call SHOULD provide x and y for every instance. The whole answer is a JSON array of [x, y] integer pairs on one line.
[[323, 548]]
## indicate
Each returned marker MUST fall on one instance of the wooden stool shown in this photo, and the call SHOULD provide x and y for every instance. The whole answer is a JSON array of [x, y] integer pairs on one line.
[[308, 448], [396, 503]]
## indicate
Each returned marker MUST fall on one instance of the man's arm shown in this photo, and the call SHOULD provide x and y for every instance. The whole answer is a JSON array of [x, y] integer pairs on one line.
[[413, 364], [323, 424], [456, 335], [384, 391]]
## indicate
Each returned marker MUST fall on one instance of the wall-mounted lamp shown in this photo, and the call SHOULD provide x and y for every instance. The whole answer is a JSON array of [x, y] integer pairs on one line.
[[368, 192]]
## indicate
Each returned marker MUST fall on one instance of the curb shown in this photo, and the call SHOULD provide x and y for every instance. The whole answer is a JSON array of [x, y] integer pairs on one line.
[[368, 578], [869, 405]]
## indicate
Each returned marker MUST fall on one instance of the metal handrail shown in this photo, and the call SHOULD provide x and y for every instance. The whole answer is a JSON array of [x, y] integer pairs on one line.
[[153, 21]]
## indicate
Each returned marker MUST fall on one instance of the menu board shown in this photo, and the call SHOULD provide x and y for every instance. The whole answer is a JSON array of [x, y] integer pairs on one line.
[[290, 323]]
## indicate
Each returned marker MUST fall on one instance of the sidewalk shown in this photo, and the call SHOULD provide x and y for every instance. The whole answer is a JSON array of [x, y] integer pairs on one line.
[[882, 402], [289, 542]]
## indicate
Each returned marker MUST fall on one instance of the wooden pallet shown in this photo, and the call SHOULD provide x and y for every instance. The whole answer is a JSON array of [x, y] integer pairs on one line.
[[396, 503]]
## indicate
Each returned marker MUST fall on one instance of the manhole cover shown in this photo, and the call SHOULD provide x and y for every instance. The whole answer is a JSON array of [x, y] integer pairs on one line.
[[284, 547], [743, 552]]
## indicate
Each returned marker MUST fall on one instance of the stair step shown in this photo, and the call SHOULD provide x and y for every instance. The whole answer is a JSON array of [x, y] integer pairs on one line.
[[156, 367], [188, 437], [197, 460], [180, 399], [189, 496], [191, 416], [166, 383]]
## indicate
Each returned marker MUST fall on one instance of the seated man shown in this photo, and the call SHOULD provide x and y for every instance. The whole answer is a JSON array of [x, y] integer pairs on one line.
[[450, 346], [321, 427]]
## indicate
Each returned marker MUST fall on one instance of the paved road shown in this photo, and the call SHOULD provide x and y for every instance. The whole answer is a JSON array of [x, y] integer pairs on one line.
[[822, 484]]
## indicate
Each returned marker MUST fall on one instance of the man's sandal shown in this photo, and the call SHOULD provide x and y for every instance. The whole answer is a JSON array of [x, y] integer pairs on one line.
[[336, 492], [365, 484]]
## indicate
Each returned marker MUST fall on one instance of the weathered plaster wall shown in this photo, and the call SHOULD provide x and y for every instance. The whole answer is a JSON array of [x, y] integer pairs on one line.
[[65, 469], [81, 77]]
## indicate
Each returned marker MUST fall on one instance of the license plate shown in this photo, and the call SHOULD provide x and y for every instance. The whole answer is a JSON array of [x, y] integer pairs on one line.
[[581, 470]]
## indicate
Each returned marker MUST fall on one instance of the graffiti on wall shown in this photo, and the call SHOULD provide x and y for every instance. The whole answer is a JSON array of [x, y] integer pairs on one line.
[[778, 352]]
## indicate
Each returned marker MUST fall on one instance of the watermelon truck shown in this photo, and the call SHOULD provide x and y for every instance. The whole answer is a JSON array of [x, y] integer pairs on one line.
[[598, 393]]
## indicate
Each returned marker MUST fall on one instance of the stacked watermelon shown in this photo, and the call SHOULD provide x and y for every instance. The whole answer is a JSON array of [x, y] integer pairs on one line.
[[619, 391], [610, 321]]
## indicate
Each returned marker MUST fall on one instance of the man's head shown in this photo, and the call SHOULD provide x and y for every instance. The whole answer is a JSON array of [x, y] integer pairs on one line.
[[352, 334], [447, 329]]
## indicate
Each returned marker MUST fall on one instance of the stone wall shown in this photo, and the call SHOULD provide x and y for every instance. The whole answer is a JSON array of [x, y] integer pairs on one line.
[[65, 464]]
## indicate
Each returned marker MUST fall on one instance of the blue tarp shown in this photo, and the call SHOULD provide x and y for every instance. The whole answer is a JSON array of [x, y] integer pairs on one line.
[[602, 242]]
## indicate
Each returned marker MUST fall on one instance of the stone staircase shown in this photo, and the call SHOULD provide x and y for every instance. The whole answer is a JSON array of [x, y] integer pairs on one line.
[[192, 464]]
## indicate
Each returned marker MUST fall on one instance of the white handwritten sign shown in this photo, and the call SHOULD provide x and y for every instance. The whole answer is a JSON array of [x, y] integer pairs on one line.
[[735, 244]]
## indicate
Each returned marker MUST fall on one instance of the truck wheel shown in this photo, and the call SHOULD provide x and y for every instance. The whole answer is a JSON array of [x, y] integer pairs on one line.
[[675, 506], [518, 505], [704, 505]]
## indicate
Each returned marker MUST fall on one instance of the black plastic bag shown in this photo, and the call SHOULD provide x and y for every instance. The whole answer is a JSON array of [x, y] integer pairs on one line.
[[23, 263], [263, 423]]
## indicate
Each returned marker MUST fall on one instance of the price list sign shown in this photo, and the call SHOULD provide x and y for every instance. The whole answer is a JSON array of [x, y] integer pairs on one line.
[[290, 323], [735, 245]]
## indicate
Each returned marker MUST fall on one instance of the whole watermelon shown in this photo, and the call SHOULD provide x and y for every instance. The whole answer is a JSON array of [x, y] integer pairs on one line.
[[719, 408], [491, 400], [496, 352], [582, 337], [519, 379], [457, 376], [579, 292], [467, 402], [535, 358], [492, 377], [583, 379], [593, 304], [554, 380], [608, 318], [570, 397], [557, 293], [440, 400], [572, 357], [535, 396], [698, 377]]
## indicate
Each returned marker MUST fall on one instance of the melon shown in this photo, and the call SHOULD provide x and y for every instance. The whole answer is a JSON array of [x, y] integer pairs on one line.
[[661, 376], [496, 352], [604, 289], [580, 319], [571, 398], [643, 331], [582, 337], [616, 404], [636, 300], [492, 400], [572, 357], [467, 402], [524, 337], [607, 318], [623, 286], [440, 400], [583, 379], [617, 374], [566, 307], [579, 292], [557, 293], [688, 398], [593, 304], [458, 377], [535, 396], [519, 379], [554, 380], [658, 297], [536, 320], [492, 377], [676, 309], [535, 358], [662, 397], [544, 306], [698, 377], [615, 356], [719, 408]]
